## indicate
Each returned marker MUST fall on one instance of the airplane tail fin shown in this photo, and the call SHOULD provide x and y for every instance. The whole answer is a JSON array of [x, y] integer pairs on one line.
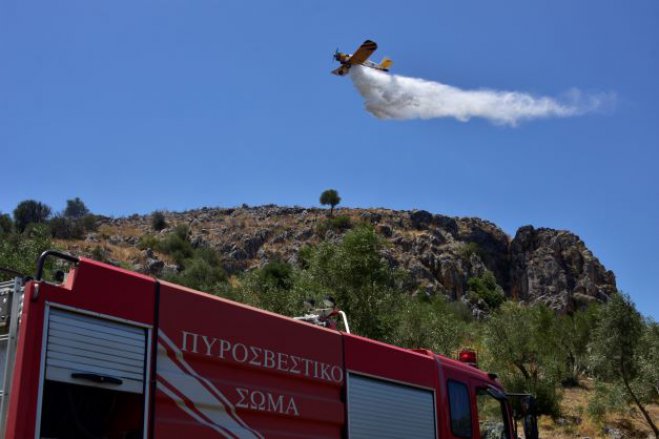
[[386, 63]]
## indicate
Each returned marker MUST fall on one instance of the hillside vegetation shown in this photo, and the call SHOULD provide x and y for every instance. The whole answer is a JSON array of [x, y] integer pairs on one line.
[[539, 309]]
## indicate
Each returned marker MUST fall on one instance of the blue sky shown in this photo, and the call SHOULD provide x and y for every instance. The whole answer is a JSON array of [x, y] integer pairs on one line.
[[142, 105]]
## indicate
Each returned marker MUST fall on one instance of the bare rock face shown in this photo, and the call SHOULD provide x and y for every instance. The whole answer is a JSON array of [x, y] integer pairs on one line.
[[556, 268], [492, 244]]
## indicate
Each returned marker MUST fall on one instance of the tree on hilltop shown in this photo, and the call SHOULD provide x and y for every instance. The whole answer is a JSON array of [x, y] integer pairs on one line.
[[75, 208], [30, 212], [330, 197]]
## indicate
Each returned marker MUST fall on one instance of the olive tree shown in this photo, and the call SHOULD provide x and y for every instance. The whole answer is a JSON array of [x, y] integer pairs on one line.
[[363, 283], [620, 346], [330, 197], [523, 347]]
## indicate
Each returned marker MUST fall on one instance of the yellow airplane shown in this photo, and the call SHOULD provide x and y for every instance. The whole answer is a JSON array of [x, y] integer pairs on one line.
[[360, 57]]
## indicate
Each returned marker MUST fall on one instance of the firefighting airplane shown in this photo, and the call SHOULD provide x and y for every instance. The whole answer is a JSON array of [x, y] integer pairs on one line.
[[360, 57]]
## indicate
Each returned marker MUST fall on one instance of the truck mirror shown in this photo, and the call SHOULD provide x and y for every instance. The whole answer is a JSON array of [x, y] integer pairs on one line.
[[530, 418]]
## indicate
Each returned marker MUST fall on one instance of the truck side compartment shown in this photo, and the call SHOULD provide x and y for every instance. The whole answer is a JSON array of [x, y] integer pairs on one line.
[[92, 291], [244, 372], [391, 391]]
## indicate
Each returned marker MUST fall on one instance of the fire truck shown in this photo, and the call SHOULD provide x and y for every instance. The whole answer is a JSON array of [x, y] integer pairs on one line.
[[102, 352]]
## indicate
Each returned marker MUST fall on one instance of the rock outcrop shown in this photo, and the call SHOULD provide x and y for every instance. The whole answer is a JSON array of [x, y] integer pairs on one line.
[[555, 267], [440, 253]]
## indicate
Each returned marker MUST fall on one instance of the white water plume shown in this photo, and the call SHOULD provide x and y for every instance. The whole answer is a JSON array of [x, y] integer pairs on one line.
[[398, 97]]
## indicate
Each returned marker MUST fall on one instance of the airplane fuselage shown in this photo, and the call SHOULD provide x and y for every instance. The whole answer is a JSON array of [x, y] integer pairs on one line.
[[344, 58]]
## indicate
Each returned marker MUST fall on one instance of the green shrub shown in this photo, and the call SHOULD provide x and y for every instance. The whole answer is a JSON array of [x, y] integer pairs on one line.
[[99, 254], [89, 222], [341, 222], [158, 221], [468, 249], [177, 245], [199, 274], [304, 256], [20, 251], [430, 323], [276, 274], [62, 227], [201, 268], [273, 287], [338, 224], [147, 241], [486, 288], [461, 310]]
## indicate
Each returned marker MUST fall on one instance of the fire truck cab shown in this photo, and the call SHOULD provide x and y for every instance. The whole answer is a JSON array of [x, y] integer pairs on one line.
[[108, 353]]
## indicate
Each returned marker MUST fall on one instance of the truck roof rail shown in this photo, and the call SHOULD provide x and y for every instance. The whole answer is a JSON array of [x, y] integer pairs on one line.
[[55, 253]]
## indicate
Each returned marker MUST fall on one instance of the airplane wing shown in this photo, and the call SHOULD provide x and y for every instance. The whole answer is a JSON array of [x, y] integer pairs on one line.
[[364, 51]]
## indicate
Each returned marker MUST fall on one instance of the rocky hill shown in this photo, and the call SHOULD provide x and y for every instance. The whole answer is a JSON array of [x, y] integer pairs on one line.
[[440, 253]]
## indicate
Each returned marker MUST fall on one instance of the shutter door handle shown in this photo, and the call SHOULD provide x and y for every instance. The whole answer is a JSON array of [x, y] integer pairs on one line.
[[97, 378]]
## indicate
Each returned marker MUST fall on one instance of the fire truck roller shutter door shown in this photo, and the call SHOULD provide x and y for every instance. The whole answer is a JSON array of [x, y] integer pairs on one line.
[[90, 351], [387, 410], [95, 371]]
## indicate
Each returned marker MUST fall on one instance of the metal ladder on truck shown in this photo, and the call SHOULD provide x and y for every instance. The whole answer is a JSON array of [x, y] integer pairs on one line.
[[11, 305]]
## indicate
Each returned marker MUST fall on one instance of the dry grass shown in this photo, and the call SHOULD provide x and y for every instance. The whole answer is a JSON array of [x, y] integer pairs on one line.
[[234, 281], [126, 254], [107, 230], [578, 424]]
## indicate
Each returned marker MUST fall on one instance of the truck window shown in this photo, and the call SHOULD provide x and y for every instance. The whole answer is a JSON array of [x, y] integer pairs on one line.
[[460, 409], [491, 416]]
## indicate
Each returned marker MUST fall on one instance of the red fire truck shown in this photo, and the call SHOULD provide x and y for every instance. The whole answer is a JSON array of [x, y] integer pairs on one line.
[[108, 353]]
